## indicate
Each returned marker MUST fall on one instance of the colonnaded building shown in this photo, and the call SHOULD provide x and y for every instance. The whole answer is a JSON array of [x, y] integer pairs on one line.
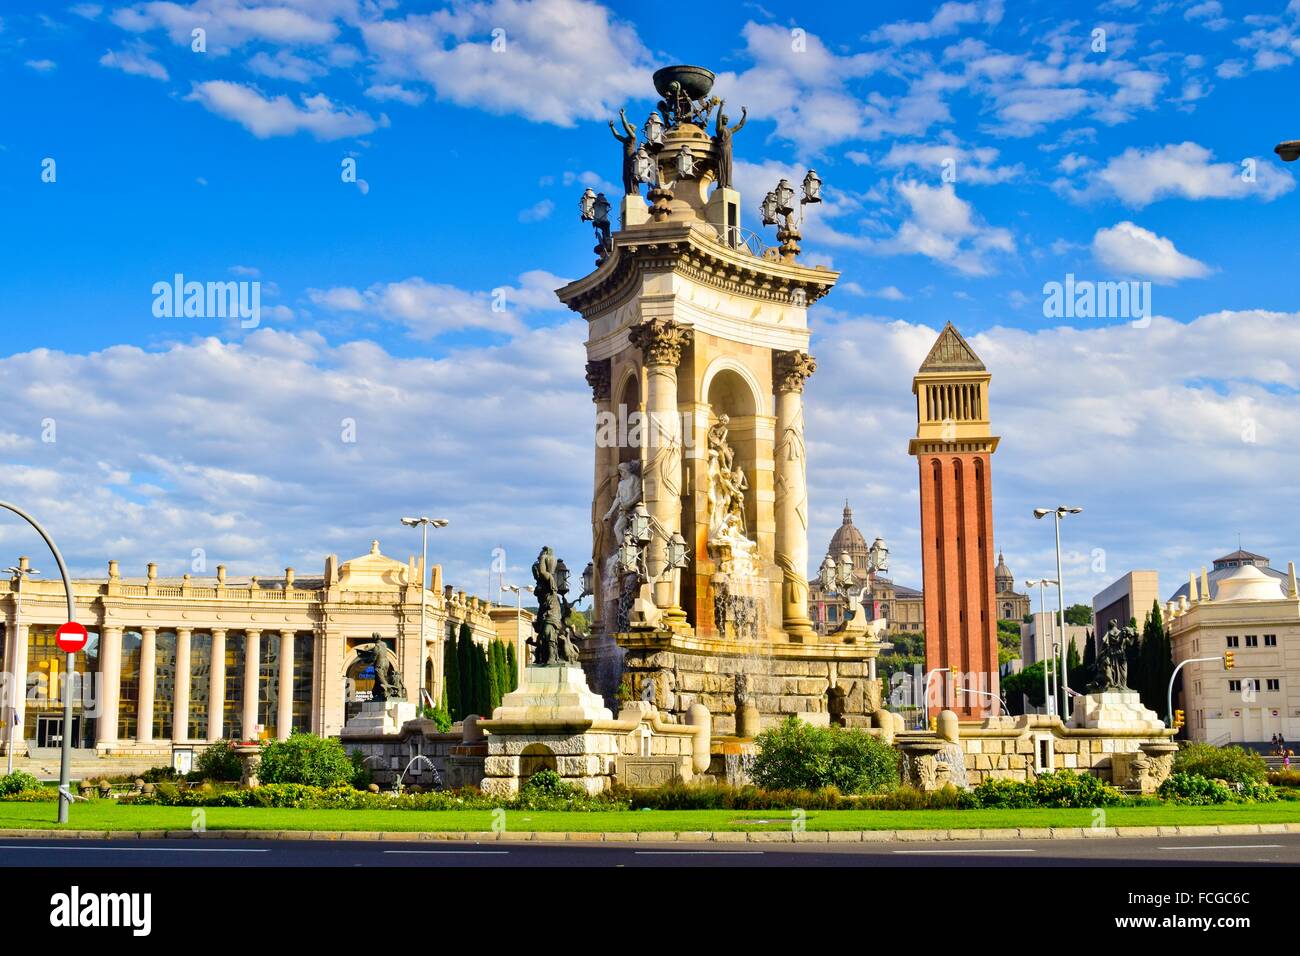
[[284, 650]]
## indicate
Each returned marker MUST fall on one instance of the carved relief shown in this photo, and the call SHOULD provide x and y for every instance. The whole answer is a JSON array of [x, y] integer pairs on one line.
[[660, 340], [791, 369], [598, 375]]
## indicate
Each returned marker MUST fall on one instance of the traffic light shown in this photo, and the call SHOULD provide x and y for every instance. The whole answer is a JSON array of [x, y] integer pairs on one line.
[[1227, 660], [1179, 719]]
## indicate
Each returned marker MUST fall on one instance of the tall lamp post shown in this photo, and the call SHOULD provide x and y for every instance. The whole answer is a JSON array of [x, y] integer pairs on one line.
[[18, 684], [519, 613], [1039, 638], [1064, 679], [424, 524]]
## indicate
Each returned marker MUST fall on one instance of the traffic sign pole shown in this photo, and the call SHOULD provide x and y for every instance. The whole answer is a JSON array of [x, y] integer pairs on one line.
[[65, 757]]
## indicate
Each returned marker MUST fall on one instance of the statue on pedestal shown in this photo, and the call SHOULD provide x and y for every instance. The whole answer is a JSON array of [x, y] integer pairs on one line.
[[555, 644], [1112, 656], [388, 678], [629, 152], [722, 140]]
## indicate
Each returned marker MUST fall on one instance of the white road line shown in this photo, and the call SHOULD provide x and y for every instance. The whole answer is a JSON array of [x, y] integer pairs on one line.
[[450, 852], [970, 851], [699, 852], [135, 849], [1244, 846]]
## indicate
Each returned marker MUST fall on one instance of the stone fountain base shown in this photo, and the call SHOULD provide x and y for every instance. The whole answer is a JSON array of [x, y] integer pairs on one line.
[[379, 717]]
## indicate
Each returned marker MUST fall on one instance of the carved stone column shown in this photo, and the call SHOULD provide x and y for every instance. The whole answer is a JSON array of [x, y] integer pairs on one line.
[[789, 371], [606, 477], [284, 711], [148, 665], [661, 342], [181, 700], [110, 684], [252, 675], [217, 684]]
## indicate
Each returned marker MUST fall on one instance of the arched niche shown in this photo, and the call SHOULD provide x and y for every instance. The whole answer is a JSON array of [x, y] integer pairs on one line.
[[731, 390]]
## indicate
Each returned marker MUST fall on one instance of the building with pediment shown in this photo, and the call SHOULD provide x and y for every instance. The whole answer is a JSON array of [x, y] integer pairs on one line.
[[178, 662]]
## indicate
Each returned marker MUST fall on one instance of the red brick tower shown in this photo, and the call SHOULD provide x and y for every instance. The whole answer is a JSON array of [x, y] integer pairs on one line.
[[953, 445]]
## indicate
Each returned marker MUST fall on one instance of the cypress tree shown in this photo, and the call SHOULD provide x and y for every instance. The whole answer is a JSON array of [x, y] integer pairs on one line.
[[1089, 662], [465, 660], [494, 677], [512, 666], [451, 677], [483, 682]]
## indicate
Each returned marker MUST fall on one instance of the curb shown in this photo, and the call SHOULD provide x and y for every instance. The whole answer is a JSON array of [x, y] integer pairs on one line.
[[669, 836]]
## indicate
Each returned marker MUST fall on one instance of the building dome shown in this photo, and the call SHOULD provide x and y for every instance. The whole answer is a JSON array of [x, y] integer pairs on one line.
[[1249, 583], [848, 538], [1002, 576]]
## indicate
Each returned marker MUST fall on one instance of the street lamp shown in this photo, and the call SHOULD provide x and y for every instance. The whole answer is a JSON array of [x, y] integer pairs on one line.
[[1063, 681], [925, 692], [1042, 644], [424, 524], [519, 613], [18, 685]]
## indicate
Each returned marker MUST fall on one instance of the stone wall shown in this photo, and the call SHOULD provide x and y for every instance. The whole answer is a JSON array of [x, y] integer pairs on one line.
[[457, 756], [778, 686]]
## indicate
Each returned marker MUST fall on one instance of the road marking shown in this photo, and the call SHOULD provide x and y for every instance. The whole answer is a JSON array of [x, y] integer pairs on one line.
[[449, 852], [136, 849], [977, 851], [699, 852], [1244, 846]]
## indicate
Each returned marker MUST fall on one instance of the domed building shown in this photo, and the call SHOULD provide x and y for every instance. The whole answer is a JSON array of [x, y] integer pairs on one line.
[[902, 607], [1246, 607], [1012, 605]]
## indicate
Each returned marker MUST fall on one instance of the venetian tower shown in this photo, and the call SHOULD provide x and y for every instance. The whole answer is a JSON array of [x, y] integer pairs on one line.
[[953, 447], [697, 354]]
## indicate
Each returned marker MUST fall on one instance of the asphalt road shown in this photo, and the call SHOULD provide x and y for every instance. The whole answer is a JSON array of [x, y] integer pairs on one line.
[[1277, 850]]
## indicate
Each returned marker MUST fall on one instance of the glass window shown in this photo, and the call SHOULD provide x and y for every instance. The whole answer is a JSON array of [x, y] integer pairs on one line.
[[164, 683], [200, 675], [1270, 640], [233, 707], [1252, 640], [268, 682], [1233, 641], [129, 695], [1274, 683], [303, 660]]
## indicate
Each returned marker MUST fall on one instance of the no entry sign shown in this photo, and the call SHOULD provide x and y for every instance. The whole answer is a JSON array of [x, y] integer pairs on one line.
[[71, 637]]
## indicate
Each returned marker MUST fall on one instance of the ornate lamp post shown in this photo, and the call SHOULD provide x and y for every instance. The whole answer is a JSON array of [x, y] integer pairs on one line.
[[1289, 151], [778, 209]]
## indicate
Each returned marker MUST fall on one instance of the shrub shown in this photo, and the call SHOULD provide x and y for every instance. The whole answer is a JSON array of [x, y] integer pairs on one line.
[[1285, 778], [722, 796], [20, 781], [1193, 789], [218, 762], [159, 774], [306, 759], [1252, 791], [798, 756], [1234, 764], [1060, 788], [441, 719]]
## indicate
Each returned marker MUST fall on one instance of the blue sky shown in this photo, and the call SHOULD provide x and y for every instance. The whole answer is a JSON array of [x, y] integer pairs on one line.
[[1114, 160]]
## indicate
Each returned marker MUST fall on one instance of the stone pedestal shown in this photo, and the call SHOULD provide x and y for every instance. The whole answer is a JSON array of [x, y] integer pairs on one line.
[[379, 717], [553, 721], [1119, 710]]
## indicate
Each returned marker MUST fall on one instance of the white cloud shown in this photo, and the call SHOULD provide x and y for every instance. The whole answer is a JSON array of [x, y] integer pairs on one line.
[[134, 58], [395, 91], [947, 20], [279, 116], [1139, 177], [1130, 250], [538, 211], [41, 66], [285, 66], [557, 61], [232, 23], [943, 226], [429, 309], [970, 165]]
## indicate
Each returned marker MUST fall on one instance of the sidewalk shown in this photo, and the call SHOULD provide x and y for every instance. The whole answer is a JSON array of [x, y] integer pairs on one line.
[[684, 836]]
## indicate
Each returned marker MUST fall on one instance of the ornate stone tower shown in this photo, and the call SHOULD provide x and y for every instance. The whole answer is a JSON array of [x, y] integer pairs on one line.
[[697, 357], [953, 445]]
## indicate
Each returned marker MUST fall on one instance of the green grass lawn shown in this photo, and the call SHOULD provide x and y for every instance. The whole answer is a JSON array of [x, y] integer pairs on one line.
[[110, 816]]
